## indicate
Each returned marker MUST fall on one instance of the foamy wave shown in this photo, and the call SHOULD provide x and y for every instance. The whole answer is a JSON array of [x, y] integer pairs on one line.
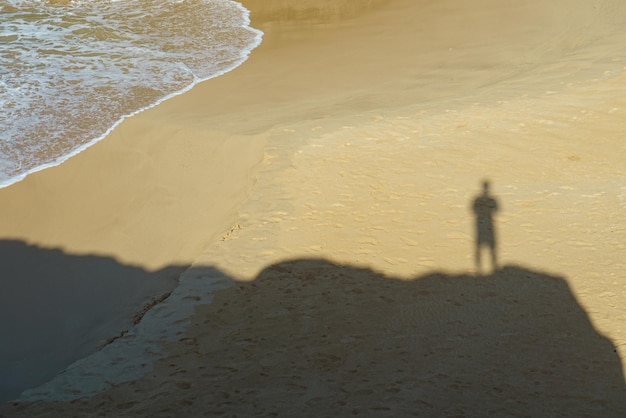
[[70, 71]]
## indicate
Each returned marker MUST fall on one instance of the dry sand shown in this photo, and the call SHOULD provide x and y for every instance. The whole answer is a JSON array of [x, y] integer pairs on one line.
[[330, 189]]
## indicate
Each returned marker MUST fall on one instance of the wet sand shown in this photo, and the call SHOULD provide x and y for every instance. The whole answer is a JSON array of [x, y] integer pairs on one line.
[[348, 150]]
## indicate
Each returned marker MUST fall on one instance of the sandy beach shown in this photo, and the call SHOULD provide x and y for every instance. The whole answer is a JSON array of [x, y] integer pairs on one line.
[[312, 213]]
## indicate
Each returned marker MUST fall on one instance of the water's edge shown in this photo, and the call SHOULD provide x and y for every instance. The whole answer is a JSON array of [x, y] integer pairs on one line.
[[244, 54]]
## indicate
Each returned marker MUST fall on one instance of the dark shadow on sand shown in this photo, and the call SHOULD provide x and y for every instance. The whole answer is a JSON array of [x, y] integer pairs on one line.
[[56, 308], [312, 338], [515, 343]]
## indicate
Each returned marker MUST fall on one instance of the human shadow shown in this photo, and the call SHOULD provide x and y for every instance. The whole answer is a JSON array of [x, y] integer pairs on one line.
[[56, 308], [484, 207]]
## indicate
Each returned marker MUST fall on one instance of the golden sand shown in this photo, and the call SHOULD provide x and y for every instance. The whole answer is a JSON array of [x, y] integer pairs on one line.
[[332, 186]]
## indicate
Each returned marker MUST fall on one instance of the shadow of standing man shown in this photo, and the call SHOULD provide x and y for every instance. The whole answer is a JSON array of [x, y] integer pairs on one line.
[[484, 207]]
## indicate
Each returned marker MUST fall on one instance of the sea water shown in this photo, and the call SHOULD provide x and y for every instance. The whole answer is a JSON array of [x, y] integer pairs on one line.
[[70, 71]]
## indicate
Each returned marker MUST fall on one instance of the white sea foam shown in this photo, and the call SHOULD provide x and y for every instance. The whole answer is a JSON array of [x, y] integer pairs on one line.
[[70, 72]]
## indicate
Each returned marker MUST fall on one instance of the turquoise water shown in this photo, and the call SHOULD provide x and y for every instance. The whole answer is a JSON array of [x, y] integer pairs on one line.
[[70, 71]]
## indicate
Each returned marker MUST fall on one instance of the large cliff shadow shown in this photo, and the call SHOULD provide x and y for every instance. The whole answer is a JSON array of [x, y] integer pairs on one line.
[[56, 308], [309, 337], [312, 338]]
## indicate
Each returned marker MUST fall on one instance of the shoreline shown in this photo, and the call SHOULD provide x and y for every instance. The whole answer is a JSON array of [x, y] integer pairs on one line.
[[61, 159], [341, 166]]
